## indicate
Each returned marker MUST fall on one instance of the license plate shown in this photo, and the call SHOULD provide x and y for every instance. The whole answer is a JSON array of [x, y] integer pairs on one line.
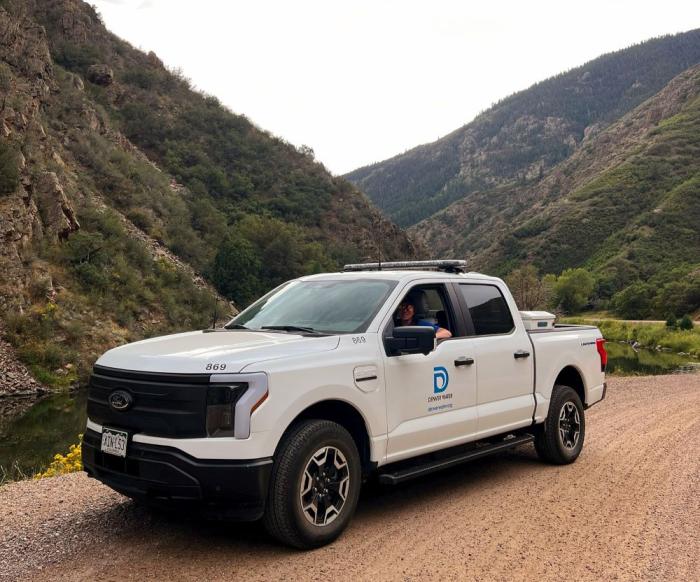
[[114, 442]]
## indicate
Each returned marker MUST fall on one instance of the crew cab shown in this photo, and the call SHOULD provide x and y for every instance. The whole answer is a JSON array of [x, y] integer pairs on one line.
[[325, 382]]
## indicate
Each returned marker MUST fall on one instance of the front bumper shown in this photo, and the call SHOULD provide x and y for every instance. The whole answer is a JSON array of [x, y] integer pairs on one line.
[[168, 477]]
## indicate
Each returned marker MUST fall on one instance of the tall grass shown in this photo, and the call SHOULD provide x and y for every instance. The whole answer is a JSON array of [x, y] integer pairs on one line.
[[13, 472], [648, 335]]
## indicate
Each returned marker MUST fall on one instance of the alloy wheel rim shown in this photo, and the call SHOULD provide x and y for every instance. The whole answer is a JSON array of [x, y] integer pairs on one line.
[[569, 425], [325, 483]]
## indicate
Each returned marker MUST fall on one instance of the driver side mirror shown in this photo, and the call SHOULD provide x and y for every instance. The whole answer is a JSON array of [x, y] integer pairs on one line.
[[411, 339]]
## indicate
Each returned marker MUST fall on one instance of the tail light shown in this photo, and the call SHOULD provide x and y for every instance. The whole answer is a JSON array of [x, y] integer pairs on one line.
[[221, 409], [600, 346]]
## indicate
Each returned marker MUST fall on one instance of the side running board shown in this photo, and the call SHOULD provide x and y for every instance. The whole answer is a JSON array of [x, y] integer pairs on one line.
[[392, 476]]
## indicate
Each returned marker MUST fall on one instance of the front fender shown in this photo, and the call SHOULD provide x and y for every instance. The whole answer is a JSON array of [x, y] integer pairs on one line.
[[293, 388]]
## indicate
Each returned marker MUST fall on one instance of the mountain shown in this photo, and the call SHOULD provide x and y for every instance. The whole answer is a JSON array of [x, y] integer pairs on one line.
[[625, 205], [523, 136], [130, 203]]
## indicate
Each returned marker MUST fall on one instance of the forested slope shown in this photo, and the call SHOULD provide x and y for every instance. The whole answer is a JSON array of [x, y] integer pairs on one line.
[[625, 205], [521, 137], [129, 201]]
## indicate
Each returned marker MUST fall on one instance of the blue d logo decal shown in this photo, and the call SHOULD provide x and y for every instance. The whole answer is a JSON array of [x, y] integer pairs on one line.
[[440, 379]]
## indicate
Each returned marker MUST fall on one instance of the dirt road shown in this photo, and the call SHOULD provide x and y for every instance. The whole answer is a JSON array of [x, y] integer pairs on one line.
[[628, 509]]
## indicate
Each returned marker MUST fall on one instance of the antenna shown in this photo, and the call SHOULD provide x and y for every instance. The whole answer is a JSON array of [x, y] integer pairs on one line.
[[215, 316], [381, 241]]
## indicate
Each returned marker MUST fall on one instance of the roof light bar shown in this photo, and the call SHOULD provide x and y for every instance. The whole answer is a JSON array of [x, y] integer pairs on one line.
[[446, 265]]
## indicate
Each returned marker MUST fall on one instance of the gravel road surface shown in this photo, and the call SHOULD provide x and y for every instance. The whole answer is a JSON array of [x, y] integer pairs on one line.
[[628, 509]]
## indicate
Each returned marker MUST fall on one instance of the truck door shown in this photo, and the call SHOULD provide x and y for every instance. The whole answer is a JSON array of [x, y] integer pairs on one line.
[[431, 400], [504, 358]]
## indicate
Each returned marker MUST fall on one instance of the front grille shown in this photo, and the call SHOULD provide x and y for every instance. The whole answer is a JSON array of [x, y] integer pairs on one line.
[[166, 405]]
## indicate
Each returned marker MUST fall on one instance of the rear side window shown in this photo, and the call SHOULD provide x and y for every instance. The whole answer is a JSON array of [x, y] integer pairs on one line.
[[488, 309]]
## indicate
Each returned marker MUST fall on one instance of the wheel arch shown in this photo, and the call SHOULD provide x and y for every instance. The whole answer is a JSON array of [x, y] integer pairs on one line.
[[572, 377], [346, 415]]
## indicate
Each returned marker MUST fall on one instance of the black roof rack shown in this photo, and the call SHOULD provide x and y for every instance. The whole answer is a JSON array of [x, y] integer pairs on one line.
[[446, 265]]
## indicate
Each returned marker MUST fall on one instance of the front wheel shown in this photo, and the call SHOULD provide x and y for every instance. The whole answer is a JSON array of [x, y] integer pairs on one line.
[[315, 485], [560, 438]]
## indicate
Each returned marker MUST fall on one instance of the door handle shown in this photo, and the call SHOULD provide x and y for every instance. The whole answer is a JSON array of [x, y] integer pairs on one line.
[[464, 361], [521, 354]]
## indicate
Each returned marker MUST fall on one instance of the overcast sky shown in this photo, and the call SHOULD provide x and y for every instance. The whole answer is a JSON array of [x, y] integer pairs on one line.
[[360, 81]]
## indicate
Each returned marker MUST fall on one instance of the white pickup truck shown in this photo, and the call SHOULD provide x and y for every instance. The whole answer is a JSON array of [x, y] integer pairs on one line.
[[330, 379]]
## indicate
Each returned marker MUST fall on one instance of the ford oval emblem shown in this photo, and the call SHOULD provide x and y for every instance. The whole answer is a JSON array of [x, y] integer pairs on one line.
[[120, 400]]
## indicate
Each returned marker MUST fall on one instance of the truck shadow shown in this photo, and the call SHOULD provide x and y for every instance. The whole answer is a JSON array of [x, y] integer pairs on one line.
[[177, 533], [376, 498]]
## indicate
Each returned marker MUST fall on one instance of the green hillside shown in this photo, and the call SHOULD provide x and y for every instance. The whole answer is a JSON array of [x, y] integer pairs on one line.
[[520, 138], [625, 206], [231, 168], [130, 203]]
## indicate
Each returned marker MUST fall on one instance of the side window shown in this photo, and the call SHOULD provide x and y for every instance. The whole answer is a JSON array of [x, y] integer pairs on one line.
[[488, 309], [428, 306]]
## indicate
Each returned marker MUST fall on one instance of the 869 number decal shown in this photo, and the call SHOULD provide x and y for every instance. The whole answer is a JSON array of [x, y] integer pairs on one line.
[[215, 367]]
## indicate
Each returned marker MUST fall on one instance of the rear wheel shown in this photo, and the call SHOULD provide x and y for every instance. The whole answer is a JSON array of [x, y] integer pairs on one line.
[[560, 438], [315, 485]]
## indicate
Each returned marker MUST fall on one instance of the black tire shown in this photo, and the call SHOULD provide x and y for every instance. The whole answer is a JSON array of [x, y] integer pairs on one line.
[[560, 441], [285, 517]]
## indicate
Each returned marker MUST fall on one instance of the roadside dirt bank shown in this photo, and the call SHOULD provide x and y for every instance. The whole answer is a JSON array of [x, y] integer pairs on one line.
[[628, 509]]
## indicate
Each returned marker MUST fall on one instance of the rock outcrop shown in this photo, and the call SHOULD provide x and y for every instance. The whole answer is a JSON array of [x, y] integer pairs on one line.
[[41, 210], [101, 75], [24, 47], [56, 211], [75, 115], [29, 81], [15, 378]]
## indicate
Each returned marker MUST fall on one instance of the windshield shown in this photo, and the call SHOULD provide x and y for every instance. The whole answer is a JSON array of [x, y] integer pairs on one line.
[[321, 306]]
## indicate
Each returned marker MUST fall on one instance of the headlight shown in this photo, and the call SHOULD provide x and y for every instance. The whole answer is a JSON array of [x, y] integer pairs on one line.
[[231, 400], [221, 409]]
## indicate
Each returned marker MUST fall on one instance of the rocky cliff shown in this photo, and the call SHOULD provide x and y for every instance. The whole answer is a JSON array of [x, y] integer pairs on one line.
[[119, 184], [42, 192]]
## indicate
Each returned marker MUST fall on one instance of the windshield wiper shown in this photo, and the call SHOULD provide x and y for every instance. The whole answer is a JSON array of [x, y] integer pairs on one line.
[[293, 328], [235, 326]]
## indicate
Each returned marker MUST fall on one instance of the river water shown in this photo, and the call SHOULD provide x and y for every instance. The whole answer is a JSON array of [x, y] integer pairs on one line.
[[32, 431]]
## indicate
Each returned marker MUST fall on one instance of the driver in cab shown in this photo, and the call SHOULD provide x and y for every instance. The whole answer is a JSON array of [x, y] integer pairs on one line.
[[406, 315]]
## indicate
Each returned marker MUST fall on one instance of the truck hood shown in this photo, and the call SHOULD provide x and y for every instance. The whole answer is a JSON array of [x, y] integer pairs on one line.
[[191, 352]]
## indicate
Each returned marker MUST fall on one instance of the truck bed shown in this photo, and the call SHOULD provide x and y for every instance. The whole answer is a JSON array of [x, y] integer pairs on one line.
[[559, 327], [566, 346]]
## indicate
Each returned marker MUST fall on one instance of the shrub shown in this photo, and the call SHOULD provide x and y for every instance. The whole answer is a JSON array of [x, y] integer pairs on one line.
[[686, 322], [235, 270], [142, 78], [573, 289], [76, 56], [40, 287], [6, 79], [671, 322], [528, 290], [634, 302], [64, 464], [141, 217], [680, 295], [9, 170], [84, 247]]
